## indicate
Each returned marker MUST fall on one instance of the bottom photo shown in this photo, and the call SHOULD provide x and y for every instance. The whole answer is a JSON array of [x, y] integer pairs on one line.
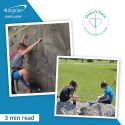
[[86, 87]]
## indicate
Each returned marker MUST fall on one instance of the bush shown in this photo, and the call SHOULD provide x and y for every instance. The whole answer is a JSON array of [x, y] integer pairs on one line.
[[90, 60]]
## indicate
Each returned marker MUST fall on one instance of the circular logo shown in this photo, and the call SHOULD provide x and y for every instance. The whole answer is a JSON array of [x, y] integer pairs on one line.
[[95, 22]]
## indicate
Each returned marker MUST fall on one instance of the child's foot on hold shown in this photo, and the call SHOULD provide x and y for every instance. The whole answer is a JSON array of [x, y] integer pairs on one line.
[[29, 90]]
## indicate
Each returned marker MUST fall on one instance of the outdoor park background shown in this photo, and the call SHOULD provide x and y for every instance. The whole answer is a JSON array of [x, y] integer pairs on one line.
[[89, 73]]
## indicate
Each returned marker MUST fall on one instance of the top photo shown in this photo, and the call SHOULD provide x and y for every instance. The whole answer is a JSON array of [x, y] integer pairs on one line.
[[32, 50]]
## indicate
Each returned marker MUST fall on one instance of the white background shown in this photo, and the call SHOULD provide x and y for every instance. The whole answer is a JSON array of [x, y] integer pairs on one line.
[[109, 44]]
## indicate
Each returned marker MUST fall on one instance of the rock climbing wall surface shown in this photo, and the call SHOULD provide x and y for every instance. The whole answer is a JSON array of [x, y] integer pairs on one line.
[[41, 61]]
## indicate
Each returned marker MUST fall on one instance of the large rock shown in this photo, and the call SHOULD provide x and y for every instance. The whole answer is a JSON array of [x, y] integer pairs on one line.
[[66, 108], [41, 61], [99, 109], [85, 109]]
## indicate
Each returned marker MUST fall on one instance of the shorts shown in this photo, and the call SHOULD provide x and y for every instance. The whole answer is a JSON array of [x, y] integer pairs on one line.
[[17, 75]]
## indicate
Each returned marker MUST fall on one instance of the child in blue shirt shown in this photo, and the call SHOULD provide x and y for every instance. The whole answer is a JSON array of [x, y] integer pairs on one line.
[[107, 97]]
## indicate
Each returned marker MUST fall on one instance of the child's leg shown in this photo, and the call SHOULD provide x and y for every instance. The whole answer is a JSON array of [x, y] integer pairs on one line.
[[105, 102], [24, 73]]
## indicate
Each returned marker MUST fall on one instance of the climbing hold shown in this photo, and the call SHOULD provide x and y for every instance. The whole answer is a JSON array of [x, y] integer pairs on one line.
[[45, 60]]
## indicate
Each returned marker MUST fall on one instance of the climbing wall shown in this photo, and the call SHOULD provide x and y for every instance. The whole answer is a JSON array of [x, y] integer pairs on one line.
[[41, 61]]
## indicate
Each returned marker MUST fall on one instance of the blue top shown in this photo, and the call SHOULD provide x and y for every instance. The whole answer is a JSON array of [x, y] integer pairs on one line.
[[109, 92]]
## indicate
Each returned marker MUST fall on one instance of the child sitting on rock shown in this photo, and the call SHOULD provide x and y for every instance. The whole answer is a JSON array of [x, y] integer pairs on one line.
[[68, 91], [107, 97], [18, 71]]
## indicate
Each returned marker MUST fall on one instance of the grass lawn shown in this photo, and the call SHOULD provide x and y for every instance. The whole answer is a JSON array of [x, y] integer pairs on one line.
[[89, 75]]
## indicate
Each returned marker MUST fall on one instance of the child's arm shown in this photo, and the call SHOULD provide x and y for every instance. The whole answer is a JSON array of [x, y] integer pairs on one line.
[[31, 47], [104, 98], [74, 98], [99, 97]]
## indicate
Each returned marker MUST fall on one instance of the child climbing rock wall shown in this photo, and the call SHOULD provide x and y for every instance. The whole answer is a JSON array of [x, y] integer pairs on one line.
[[41, 61]]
